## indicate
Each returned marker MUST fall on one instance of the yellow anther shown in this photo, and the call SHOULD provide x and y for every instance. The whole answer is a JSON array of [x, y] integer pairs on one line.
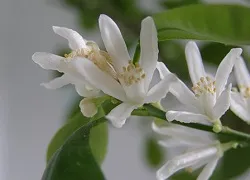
[[131, 74], [202, 79]]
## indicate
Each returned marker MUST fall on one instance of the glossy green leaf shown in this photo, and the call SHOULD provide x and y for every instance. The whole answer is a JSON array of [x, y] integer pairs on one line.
[[153, 152], [228, 24], [98, 136], [74, 159]]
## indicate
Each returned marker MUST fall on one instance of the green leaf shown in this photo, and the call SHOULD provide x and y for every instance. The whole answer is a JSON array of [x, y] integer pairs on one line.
[[98, 136], [214, 52], [154, 153], [177, 3], [228, 24], [74, 159]]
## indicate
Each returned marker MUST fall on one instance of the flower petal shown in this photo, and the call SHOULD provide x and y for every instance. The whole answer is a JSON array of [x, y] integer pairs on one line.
[[75, 39], [160, 90], [49, 61], [223, 103], [114, 42], [194, 62], [185, 160], [57, 82], [187, 117], [184, 135], [99, 79], [163, 70], [120, 113], [183, 94], [88, 107], [225, 68], [242, 74], [149, 49], [208, 169], [239, 106], [83, 91]]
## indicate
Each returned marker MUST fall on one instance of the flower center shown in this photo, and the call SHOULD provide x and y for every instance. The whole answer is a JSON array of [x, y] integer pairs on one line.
[[100, 58], [132, 74], [245, 91], [205, 85]]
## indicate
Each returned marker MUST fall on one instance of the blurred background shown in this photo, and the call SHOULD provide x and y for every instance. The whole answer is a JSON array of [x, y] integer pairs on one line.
[[30, 114]]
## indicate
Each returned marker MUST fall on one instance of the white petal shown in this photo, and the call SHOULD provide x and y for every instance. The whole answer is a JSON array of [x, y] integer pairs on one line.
[[88, 108], [185, 160], [239, 106], [241, 73], [185, 135], [225, 68], [114, 42], [149, 49], [208, 169], [159, 91], [222, 104], [57, 82], [183, 94], [187, 117], [171, 143], [194, 62], [49, 61], [75, 39], [163, 70], [99, 79], [120, 113], [83, 91]]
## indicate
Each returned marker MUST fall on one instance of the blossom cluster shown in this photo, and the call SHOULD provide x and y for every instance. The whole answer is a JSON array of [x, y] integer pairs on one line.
[[98, 75]]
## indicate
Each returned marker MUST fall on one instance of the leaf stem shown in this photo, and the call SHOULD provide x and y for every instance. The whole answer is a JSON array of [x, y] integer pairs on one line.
[[151, 110]]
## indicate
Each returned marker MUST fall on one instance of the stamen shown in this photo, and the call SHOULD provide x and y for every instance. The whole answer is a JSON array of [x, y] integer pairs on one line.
[[205, 85], [132, 74], [245, 90]]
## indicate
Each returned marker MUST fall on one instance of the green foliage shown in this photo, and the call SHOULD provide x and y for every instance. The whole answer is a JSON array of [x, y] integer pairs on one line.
[[169, 4], [153, 152], [98, 136], [74, 159], [227, 24], [214, 52]]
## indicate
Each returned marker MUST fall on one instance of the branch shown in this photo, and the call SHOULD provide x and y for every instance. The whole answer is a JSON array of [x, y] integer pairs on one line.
[[150, 110]]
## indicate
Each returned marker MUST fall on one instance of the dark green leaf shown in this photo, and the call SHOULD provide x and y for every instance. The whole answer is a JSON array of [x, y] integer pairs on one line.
[[228, 24], [98, 136], [154, 153], [214, 52], [74, 159]]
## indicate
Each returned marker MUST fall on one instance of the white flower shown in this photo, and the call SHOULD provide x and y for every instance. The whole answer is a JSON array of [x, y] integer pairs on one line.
[[80, 48], [202, 150], [210, 98], [240, 101], [124, 80]]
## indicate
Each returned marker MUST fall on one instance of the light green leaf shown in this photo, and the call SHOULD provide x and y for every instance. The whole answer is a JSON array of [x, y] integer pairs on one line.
[[74, 159], [228, 24], [98, 136]]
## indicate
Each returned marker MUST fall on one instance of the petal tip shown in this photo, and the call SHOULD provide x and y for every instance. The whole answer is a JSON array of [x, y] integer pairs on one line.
[[191, 46], [55, 28], [237, 51], [36, 57], [104, 17]]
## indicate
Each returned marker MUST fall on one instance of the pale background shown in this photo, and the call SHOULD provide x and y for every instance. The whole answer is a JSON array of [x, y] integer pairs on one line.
[[30, 114]]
